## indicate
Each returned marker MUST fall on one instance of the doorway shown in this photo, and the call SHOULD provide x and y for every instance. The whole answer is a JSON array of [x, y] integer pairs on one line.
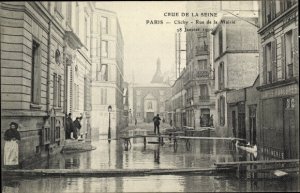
[[289, 127]]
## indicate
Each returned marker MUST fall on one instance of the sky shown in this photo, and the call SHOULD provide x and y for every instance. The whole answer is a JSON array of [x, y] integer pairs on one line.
[[144, 43]]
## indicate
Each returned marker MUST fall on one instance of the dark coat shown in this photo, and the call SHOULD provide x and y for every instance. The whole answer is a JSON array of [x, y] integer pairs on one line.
[[76, 124], [156, 120], [11, 133], [70, 126]]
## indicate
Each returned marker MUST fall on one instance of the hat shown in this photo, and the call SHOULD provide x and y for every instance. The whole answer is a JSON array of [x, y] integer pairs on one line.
[[15, 124]]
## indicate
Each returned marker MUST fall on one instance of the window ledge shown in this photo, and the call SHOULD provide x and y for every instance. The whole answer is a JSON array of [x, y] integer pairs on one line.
[[277, 84], [35, 106]]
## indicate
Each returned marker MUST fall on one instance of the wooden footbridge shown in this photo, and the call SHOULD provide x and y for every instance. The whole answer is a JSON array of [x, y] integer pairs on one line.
[[175, 136]]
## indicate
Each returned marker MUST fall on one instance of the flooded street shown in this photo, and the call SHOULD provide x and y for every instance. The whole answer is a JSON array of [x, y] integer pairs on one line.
[[202, 153]]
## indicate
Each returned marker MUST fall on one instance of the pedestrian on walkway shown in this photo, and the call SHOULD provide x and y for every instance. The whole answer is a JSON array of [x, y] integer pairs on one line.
[[135, 121], [156, 121], [77, 127], [11, 146], [69, 126]]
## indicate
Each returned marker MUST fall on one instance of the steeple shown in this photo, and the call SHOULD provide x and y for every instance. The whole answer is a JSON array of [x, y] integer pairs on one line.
[[158, 76]]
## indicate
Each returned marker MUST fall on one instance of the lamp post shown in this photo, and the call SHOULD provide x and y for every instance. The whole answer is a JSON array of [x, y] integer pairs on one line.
[[109, 110]]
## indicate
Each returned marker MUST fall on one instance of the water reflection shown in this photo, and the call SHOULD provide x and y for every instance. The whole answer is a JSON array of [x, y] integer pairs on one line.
[[202, 153]]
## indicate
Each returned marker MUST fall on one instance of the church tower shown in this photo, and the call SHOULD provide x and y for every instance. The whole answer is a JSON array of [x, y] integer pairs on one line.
[[158, 76]]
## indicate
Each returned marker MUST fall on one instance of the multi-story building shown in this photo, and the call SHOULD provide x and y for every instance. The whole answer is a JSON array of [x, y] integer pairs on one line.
[[78, 57], [148, 99], [39, 43], [235, 57], [107, 72], [177, 103], [279, 78]]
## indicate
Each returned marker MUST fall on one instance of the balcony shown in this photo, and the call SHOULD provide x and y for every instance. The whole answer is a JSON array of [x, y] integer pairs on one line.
[[201, 74]]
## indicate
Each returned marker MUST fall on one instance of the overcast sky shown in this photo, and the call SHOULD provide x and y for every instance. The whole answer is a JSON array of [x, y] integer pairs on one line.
[[144, 43]]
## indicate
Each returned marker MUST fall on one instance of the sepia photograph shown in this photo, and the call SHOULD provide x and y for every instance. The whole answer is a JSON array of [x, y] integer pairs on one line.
[[149, 96]]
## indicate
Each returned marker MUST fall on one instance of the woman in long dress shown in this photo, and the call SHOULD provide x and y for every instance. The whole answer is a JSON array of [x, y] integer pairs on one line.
[[11, 146]]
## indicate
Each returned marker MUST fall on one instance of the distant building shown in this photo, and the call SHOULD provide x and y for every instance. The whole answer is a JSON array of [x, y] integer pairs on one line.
[[149, 99], [279, 79], [107, 72]]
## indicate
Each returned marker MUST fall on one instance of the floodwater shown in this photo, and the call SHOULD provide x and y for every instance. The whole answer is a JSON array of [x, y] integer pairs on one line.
[[113, 155]]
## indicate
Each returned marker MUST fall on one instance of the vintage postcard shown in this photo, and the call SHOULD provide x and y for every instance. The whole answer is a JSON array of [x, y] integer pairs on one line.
[[149, 96]]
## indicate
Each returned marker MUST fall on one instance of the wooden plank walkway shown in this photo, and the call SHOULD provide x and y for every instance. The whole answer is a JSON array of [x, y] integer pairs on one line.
[[265, 162], [108, 172]]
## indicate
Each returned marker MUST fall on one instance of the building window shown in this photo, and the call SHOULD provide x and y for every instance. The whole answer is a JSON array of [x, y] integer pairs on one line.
[[202, 64], [289, 54], [59, 85], [69, 13], [76, 96], [85, 31], [204, 92], [221, 110], [104, 25], [220, 42], [104, 49], [104, 72], [54, 90], [35, 73], [270, 63], [221, 76]]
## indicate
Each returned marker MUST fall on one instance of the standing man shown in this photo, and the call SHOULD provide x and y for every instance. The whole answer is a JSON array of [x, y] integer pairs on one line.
[[70, 127], [11, 146], [156, 121], [77, 127]]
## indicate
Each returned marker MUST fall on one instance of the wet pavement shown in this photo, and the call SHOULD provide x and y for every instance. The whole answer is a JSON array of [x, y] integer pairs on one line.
[[202, 153]]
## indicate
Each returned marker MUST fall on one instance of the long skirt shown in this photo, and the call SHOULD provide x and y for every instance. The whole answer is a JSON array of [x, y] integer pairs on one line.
[[11, 153]]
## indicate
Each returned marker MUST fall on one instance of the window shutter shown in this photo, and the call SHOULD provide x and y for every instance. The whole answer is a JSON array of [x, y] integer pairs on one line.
[[296, 52], [283, 56], [274, 60], [264, 64]]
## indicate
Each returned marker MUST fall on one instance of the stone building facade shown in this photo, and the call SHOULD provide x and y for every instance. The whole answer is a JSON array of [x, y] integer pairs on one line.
[[39, 43], [107, 72], [235, 57], [279, 79]]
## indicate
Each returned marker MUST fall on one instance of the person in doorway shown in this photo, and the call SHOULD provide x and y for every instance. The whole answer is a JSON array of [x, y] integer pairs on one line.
[[77, 127], [11, 146], [69, 126], [135, 121], [156, 121], [171, 123]]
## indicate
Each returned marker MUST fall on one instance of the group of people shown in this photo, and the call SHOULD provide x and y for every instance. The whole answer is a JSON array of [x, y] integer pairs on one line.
[[73, 127]]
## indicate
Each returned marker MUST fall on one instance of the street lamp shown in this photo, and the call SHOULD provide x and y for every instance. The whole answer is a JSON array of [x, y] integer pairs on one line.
[[109, 110]]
